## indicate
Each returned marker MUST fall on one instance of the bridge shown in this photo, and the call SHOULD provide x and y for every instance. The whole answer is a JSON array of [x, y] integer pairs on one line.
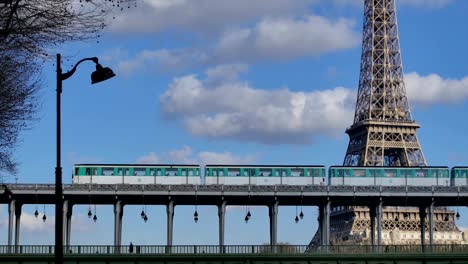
[[197, 254], [323, 196]]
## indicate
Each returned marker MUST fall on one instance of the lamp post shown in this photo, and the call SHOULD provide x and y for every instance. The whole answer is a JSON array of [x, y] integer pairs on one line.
[[101, 74]]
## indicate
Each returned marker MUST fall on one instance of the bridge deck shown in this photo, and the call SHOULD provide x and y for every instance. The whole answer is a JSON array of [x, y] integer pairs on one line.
[[236, 194]]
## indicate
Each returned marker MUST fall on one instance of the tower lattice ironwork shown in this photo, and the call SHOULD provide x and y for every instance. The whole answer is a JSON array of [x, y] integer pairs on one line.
[[383, 132]]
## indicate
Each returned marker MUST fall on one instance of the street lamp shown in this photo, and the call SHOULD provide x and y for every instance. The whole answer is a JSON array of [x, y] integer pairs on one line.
[[101, 74]]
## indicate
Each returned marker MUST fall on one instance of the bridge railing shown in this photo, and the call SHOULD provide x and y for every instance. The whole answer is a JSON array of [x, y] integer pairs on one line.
[[234, 249]]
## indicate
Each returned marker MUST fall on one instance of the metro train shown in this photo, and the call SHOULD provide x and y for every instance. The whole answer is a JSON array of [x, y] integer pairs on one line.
[[172, 174]]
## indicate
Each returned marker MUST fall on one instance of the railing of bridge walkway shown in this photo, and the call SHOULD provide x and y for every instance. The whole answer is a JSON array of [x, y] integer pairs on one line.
[[235, 249]]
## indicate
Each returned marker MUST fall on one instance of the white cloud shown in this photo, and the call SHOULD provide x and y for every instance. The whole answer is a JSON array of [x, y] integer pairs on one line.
[[425, 3], [222, 106], [433, 89], [185, 155], [161, 60], [269, 39], [412, 3], [202, 16], [286, 38], [150, 158], [233, 109]]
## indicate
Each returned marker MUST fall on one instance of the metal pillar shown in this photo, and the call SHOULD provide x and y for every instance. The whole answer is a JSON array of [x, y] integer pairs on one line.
[[379, 224], [65, 222], [17, 224], [170, 222], [372, 221], [11, 211], [221, 214], [118, 212], [325, 232], [273, 213], [320, 226], [431, 224], [69, 223], [422, 217]]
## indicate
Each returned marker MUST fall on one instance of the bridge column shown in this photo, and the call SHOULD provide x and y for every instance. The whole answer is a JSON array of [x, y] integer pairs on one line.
[[118, 213], [11, 212], [273, 213], [325, 232], [320, 226], [65, 222], [67, 213], [17, 225], [69, 222], [372, 223], [422, 217], [221, 214], [379, 224], [170, 222], [431, 224]]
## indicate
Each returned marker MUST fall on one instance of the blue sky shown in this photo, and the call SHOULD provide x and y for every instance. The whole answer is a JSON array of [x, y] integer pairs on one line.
[[236, 82]]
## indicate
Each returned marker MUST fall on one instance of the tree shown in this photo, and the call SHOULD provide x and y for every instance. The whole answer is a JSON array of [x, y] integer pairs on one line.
[[28, 30]]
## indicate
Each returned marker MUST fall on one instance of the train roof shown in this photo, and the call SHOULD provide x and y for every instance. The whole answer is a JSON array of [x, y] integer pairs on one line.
[[138, 165], [264, 166], [393, 167]]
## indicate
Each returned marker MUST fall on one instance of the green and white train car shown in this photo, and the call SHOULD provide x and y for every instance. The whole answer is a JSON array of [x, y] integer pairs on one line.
[[459, 176], [264, 175], [390, 176], [136, 174]]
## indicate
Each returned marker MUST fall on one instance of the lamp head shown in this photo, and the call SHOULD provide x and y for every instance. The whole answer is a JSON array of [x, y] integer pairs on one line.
[[101, 74]]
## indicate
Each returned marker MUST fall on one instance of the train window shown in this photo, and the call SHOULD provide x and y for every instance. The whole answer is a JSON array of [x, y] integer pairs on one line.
[[107, 171], [153, 172], [246, 172], [171, 171], [127, 172], [120, 172], [391, 173], [88, 171], [265, 172], [296, 172], [76, 171], [139, 171], [233, 172], [95, 171], [190, 172]]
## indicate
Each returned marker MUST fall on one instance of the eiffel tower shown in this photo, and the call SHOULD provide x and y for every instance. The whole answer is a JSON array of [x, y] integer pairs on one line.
[[384, 134]]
